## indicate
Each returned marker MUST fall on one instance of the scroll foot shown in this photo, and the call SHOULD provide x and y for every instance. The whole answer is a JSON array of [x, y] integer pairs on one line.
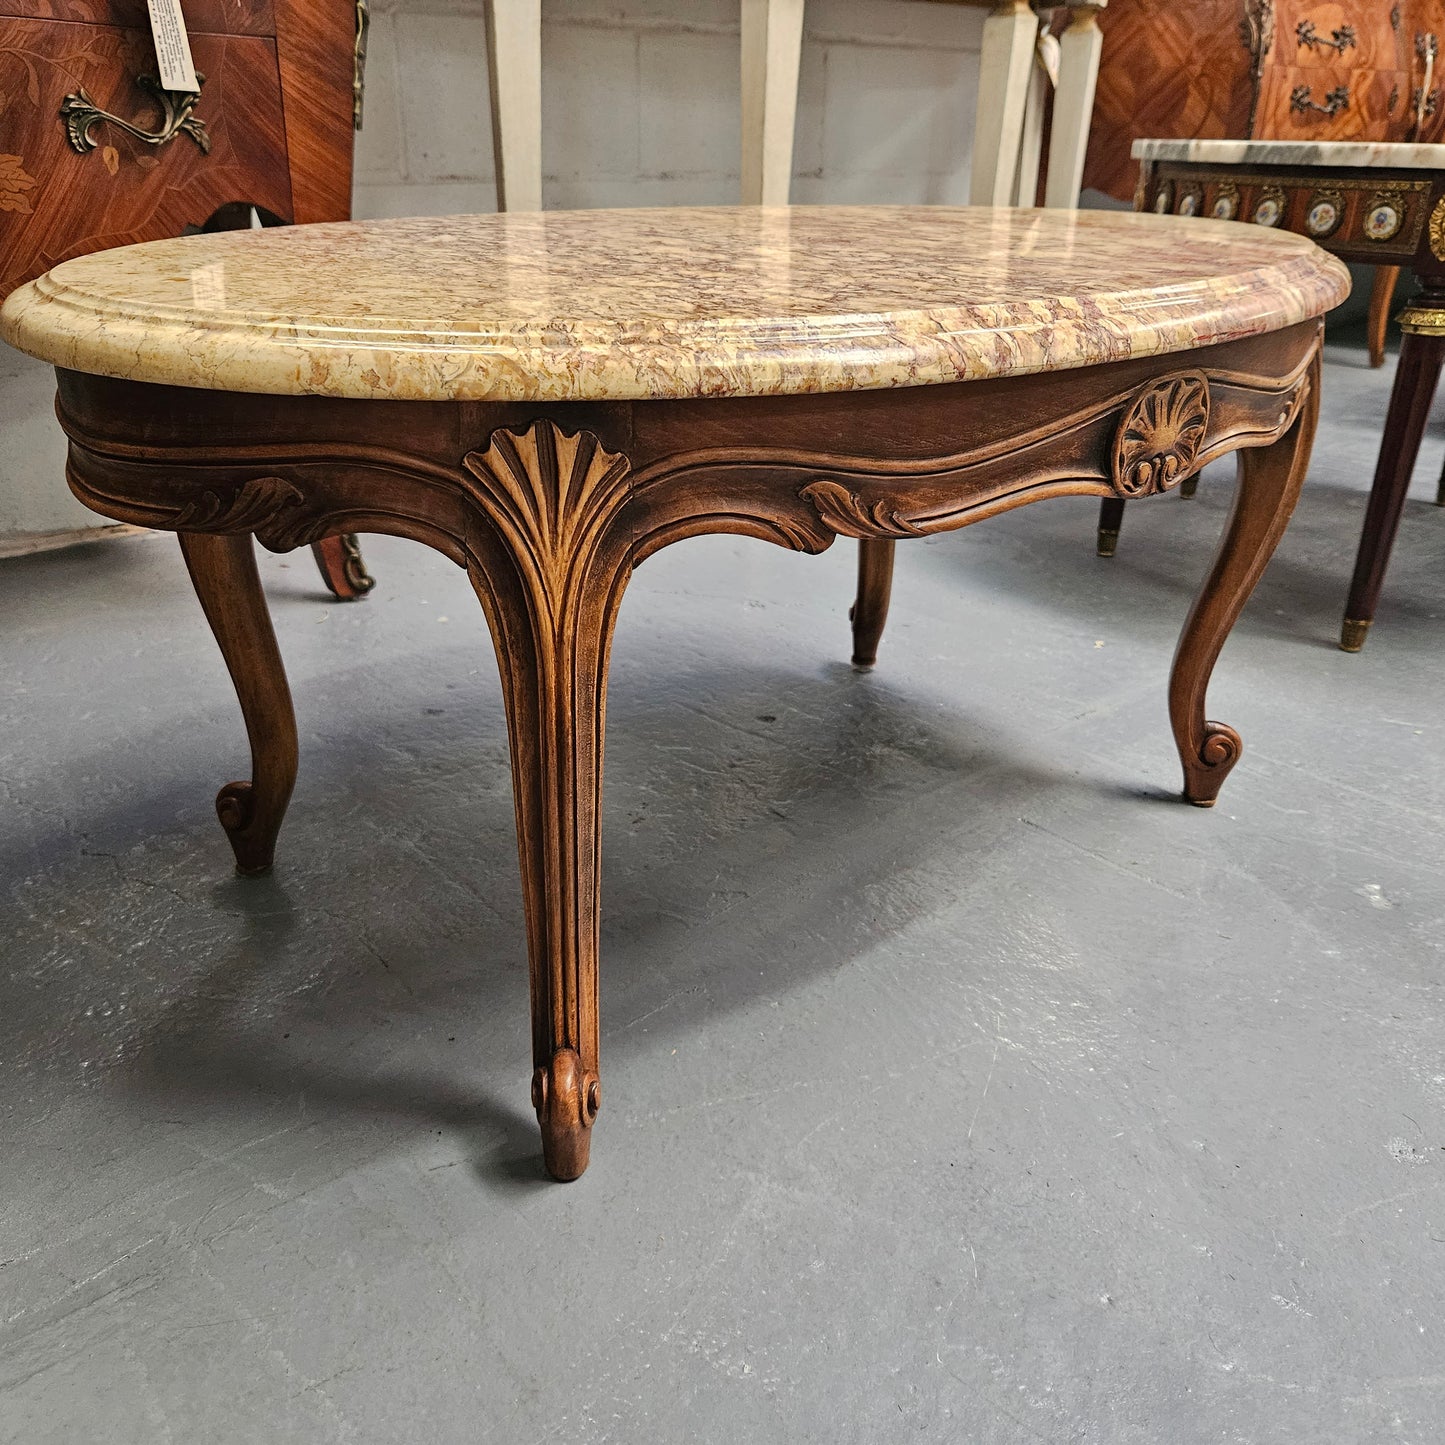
[[253, 837], [1205, 775], [566, 1097], [870, 611]]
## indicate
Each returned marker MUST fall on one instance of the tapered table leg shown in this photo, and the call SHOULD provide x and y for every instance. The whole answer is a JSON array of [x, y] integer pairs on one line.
[[223, 570], [870, 611], [1422, 350], [1269, 484], [1111, 521]]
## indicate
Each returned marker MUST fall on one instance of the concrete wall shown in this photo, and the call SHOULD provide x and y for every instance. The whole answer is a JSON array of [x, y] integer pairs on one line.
[[640, 103], [640, 99]]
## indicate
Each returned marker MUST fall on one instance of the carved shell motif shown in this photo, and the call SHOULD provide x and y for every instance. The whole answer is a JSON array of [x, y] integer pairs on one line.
[[1161, 435], [552, 495]]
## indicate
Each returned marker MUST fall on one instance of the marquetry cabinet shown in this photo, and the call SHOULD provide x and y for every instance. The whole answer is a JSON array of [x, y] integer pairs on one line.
[[93, 154], [1315, 70]]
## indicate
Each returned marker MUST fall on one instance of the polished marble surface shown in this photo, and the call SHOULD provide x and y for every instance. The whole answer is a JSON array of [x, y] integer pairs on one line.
[[1387, 155], [631, 304]]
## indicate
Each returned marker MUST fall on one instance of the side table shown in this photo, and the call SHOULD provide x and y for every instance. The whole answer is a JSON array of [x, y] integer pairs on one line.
[[1383, 205], [549, 398]]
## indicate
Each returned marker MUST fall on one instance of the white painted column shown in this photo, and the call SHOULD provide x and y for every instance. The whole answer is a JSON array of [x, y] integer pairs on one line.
[[1081, 47], [514, 65], [1044, 78], [1005, 71], [772, 49]]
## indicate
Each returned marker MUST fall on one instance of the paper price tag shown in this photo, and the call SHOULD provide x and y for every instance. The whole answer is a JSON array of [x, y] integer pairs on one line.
[[173, 48]]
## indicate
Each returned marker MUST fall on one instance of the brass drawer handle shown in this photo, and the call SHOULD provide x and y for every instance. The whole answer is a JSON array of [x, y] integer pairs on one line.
[[1425, 100], [358, 62], [1302, 99], [81, 115], [1340, 40]]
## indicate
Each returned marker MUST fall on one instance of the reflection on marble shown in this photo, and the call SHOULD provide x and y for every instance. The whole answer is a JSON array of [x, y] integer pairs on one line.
[[629, 304], [1388, 155]]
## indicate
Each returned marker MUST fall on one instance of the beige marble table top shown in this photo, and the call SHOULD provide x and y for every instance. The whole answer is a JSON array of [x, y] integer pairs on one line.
[[632, 304], [1379, 155]]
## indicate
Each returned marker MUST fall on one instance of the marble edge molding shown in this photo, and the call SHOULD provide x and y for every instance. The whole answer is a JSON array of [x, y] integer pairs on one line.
[[1383, 155], [668, 359]]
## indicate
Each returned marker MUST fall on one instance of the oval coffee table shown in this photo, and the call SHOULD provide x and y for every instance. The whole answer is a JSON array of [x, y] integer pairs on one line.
[[548, 399]]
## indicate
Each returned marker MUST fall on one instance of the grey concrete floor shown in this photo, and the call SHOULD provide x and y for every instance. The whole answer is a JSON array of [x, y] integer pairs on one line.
[[960, 1085]]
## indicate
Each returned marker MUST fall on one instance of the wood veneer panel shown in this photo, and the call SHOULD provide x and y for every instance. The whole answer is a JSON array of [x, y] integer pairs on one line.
[[315, 44], [56, 203], [212, 17], [1168, 69]]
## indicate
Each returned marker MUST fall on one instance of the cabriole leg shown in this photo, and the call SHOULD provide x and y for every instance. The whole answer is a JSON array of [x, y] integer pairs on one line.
[[550, 562], [870, 611], [223, 570], [1269, 485]]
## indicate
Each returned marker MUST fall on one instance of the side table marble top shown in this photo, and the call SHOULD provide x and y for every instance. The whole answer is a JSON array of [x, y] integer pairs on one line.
[[636, 304], [1384, 155], [548, 400]]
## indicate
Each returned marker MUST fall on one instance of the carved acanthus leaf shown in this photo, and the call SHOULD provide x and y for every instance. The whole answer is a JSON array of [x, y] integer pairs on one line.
[[551, 495], [847, 514], [271, 507], [1161, 435]]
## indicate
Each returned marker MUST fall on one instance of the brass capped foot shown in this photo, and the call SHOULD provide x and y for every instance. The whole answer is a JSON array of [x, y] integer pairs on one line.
[[1189, 486], [1108, 543], [566, 1097], [1353, 634]]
